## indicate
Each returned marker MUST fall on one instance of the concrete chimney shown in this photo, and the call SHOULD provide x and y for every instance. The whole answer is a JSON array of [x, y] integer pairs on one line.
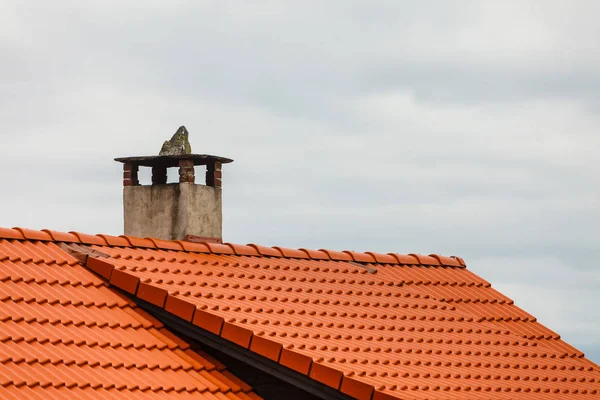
[[173, 211]]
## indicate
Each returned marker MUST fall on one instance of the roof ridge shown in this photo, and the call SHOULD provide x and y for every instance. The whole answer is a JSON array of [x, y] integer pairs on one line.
[[18, 233]]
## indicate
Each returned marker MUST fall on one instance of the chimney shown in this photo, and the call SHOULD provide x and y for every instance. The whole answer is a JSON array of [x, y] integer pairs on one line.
[[173, 211]]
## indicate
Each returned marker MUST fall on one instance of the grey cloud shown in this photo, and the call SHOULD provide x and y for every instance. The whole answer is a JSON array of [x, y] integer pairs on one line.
[[243, 55]]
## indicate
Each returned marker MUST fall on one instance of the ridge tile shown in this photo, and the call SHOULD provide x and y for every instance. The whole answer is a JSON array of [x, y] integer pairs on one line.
[[210, 322], [266, 347], [357, 389], [236, 334], [166, 244], [326, 374], [360, 257], [266, 251], [180, 307], [33, 234], [296, 361], [291, 253], [117, 241], [7, 233], [89, 239], [218, 248], [152, 294], [337, 255], [425, 260], [242, 250], [383, 258], [194, 247], [139, 242], [61, 236], [406, 259], [316, 254]]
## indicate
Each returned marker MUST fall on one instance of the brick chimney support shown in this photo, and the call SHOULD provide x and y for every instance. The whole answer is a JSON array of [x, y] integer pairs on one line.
[[213, 174], [186, 171], [130, 174]]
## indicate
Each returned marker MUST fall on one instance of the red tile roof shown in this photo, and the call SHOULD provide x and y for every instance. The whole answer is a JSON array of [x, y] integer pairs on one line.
[[374, 326], [65, 334]]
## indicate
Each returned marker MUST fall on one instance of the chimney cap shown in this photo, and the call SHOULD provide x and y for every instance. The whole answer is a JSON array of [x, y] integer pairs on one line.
[[173, 161]]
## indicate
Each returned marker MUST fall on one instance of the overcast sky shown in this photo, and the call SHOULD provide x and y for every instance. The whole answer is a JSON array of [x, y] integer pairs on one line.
[[465, 128]]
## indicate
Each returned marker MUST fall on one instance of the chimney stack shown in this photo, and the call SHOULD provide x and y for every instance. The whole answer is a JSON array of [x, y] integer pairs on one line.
[[172, 211]]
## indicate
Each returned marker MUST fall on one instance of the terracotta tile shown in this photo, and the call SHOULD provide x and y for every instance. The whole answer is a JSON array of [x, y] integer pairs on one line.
[[33, 234], [296, 361], [124, 280], [316, 254], [166, 244], [460, 260], [291, 253], [425, 260], [218, 248], [221, 381], [406, 259], [337, 255], [392, 396], [74, 335], [192, 357], [447, 261], [89, 239], [61, 236], [115, 240], [16, 251], [180, 307], [266, 251], [194, 247], [266, 347], [10, 234], [357, 389], [139, 242], [45, 255], [383, 258], [326, 374], [242, 250], [411, 330], [210, 322], [100, 266], [236, 334], [360, 257], [309, 289], [152, 294]]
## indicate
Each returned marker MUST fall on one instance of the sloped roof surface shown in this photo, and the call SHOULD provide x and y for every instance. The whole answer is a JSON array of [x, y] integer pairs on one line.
[[374, 326], [65, 334]]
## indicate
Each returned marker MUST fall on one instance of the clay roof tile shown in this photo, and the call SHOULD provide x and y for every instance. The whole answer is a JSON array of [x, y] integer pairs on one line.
[[67, 335], [33, 234], [420, 325], [6, 233]]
